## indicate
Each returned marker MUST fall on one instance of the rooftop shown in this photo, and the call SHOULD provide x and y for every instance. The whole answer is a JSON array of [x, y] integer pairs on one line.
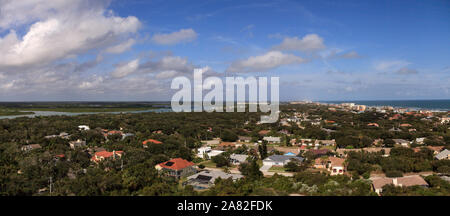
[[176, 164]]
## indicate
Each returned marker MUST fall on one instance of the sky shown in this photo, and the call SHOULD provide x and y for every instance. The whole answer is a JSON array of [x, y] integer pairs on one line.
[[114, 50]]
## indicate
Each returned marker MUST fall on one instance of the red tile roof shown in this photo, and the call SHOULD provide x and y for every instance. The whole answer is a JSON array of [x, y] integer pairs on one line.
[[176, 164], [335, 161], [263, 132], [105, 154], [151, 141]]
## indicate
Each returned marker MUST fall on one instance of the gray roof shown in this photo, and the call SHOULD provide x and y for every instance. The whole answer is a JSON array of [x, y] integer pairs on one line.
[[272, 139], [244, 138], [400, 141], [443, 154], [239, 157], [283, 158], [215, 175]]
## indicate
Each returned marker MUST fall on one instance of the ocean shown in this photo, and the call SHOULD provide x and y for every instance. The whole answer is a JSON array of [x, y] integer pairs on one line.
[[412, 104]]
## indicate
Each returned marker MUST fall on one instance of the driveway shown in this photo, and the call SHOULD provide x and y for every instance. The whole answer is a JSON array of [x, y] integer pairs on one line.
[[265, 168]]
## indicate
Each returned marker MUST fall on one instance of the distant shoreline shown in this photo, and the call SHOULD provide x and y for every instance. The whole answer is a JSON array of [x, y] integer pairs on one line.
[[443, 105]]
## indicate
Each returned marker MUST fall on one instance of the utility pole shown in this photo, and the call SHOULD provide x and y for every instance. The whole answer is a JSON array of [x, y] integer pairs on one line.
[[50, 185]]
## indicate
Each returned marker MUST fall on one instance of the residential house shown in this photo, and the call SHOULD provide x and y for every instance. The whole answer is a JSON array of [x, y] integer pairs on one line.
[[293, 142], [27, 148], [77, 143], [395, 130], [107, 133], [177, 168], [211, 142], [292, 119], [125, 135], [373, 125], [263, 132], [285, 132], [402, 142], [295, 150], [225, 145], [284, 123], [443, 155], [151, 141], [406, 181], [325, 142], [272, 140], [377, 142], [59, 157], [445, 119], [83, 127], [319, 152], [208, 152], [62, 135], [341, 152], [102, 155], [305, 141], [328, 130], [420, 140], [238, 158], [245, 139], [435, 149], [280, 160], [335, 165], [205, 179]]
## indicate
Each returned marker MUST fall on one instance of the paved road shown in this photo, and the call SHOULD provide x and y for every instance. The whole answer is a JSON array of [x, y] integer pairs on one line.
[[265, 173], [233, 171]]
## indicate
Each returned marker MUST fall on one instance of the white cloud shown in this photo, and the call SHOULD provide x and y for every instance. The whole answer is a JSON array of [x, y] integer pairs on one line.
[[406, 71], [166, 74], [309, 43], [125, 69], [120, 48], [91, 84], [270, 60], [184, 35], [391, 65], [58, 30], [166, 64], [348, 55]]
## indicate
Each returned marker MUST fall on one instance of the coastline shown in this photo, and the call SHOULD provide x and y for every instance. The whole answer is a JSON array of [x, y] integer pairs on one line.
[[438, 105]]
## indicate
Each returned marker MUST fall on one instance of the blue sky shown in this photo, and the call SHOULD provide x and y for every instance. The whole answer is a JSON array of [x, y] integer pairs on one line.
[[131, 50]]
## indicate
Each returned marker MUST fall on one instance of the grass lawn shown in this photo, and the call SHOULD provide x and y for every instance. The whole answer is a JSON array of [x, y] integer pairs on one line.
[[209, 164], [8, 112], [277, 169], [328, 147]]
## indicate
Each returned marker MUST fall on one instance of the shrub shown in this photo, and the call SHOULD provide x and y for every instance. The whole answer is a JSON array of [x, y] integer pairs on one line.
[[394, 173]]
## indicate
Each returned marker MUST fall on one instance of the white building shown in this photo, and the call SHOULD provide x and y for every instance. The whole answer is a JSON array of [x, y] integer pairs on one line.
[[83, 127], [201, 152], [420, 140], [272, 139], [443, 155], [280, 160], [445, 120], [402, 142], [238, 158]]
